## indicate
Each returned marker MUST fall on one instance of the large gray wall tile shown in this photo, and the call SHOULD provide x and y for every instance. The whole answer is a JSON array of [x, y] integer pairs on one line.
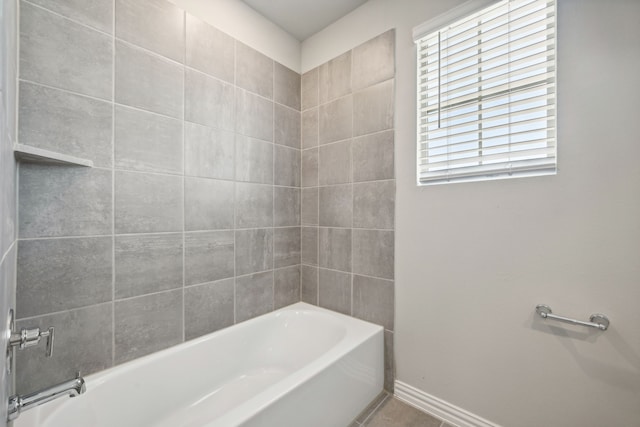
[[209, 153], [334, 290], [208, 308], [286, 246], [254, 205], [286, 286], [64, 201], [336, 206], [208, 204], [209, 256], [157, 25], [61, 274], [208, 101], [287, 129], [309, 173], [309, 89], [254, 71], [335, 248], [286, 86], [374, 60], [335, 78], [254, 295], [286, 166], [83, 343], [373, 157], [147, 263], [309, 206], [334, 163], [286, 206], [309, 245], [147, 324], [60, 53], [335, 120], [309, 128], [254, 250], [148, 81], [254, 115], [373, 253], [10, 37], [210, 50], [66, 123], [147, 203], [374, 204], [147, 142], [94, 13], [373, 300], [373, 108], [254, 160], [309, 284]]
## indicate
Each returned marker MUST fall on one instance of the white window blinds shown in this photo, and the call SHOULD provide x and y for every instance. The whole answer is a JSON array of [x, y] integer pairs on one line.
[[486, 94]]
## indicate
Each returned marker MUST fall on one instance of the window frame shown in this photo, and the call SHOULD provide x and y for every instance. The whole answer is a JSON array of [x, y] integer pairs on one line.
[[547, 164]]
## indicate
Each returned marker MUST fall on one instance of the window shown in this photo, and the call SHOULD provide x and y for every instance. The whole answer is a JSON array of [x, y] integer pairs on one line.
[[486, 92]]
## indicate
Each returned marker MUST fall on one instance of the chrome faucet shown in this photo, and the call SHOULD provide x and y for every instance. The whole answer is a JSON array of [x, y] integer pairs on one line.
[[26, 338], [71, 388]]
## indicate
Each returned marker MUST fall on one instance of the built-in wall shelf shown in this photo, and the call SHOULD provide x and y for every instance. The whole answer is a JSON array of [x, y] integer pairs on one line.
[[26, 153]]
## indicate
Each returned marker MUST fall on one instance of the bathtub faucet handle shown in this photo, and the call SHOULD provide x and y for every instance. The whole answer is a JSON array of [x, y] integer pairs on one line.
[[30, 337]]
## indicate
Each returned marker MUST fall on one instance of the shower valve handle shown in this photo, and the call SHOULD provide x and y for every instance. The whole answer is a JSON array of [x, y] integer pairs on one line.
[[30, 337]]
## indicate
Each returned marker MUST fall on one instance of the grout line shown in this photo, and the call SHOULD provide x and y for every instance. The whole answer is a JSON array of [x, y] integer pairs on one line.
[[301, 197], [318, 182], [73, 309], [353, 198], [273, 188], [184, 180], [155, 233], [73, 20], [113, 185], [80, 94], [235, 183]]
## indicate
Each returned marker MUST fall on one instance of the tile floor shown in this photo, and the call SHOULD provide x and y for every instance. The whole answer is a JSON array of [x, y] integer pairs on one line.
[[387, 411]]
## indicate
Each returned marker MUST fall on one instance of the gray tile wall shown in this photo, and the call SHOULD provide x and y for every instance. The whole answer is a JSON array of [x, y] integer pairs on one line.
[[8, 180], [348, 186], [190, 220]]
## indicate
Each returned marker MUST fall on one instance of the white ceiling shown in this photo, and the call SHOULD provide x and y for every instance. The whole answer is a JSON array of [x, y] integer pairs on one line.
[[303, 18]]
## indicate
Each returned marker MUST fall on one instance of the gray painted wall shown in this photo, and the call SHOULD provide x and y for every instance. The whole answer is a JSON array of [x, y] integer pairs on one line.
[[8, 179], [348, 186], [189, 222]]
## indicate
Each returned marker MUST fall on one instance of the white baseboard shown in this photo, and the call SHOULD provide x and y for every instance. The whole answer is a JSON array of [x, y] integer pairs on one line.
[[438, 407]]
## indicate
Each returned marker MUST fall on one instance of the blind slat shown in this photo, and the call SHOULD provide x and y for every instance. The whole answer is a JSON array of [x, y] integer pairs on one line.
[[522, 167], [490, 64], [543, 74], [450, 56], [454, 115], [452, 163], [514, 145], [515, 17]]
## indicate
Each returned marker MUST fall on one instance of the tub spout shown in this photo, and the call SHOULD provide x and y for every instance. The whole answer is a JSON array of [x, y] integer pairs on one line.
[[71, 388]]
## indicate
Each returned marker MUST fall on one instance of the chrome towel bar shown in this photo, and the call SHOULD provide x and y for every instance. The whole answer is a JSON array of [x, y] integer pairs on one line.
[[598, 321]]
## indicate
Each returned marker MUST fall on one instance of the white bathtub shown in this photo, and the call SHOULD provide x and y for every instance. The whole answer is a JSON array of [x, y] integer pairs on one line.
[[298, 366]]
